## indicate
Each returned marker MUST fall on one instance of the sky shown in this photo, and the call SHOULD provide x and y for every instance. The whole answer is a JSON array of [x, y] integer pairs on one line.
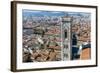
[[39, 13]]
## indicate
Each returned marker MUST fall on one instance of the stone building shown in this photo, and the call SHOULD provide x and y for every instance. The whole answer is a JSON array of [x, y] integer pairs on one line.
[[66, 38]]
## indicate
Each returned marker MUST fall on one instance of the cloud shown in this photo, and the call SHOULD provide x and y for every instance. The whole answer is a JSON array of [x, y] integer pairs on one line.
[[32, 11]]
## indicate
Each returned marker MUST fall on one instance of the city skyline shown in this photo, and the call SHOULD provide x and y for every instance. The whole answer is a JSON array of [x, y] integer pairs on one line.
[[45, 31]]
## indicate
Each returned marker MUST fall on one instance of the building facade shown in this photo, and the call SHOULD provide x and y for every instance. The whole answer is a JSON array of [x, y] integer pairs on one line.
[[66, 38]]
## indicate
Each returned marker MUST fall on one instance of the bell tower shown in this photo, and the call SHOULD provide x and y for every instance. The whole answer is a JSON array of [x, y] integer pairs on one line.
[[66, 38]]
